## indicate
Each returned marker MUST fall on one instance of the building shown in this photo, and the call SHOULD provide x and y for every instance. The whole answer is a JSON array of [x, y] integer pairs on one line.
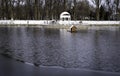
[[72, 29], [65, 19], [65, 16]]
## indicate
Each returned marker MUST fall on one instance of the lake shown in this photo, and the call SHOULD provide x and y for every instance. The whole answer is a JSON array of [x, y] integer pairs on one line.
[[88, 49]]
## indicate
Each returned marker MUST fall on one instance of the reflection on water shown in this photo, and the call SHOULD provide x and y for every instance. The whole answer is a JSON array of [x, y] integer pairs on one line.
[[97, 50]]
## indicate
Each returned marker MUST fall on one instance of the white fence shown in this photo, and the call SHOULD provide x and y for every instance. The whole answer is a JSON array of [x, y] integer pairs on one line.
[[47, 22], [32, 22], [101, 22], [90, 22]]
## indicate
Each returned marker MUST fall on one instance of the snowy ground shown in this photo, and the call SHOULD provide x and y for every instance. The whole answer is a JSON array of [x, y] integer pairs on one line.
[[47, 22]]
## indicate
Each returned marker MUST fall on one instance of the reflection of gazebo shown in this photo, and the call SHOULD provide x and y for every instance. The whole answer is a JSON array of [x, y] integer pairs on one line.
[[65, 16]]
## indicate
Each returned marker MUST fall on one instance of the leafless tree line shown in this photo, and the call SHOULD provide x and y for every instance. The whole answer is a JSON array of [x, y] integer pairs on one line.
[[51, 9], [106, 8]]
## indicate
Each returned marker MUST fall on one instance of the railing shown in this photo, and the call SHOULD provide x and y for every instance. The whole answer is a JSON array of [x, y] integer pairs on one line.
[[49, 22]]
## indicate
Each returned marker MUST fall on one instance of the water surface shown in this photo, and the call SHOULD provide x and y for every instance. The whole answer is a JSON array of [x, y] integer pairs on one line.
[[90, 49]]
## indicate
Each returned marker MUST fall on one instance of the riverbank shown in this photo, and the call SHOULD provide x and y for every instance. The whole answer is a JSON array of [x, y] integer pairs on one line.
[[58, 26], [51, 22], [9, 67], [85, 27]]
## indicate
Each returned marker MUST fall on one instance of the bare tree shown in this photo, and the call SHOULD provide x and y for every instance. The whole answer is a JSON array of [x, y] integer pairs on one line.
[[117, 3], [11, 9], [97, 3], [65, 5], [74, 9], [110, 6], [51, 9], [36, 9]]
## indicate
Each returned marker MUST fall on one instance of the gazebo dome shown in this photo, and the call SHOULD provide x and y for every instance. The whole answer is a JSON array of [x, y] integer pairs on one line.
[[64, 16]]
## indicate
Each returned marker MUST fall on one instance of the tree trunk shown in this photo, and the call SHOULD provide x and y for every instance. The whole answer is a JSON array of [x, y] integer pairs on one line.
[[36, 9], [65, 5], [74, 14], [98, 10], [11, 9]]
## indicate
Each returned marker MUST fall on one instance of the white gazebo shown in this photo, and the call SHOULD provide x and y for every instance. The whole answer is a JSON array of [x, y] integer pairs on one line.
[[65, 16]]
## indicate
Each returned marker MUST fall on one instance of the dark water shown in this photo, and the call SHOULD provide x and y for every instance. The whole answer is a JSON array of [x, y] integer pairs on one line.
[[96, 50]]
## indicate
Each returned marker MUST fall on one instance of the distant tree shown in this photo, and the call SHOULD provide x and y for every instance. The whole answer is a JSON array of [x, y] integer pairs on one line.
[[65, 5], [117, 3], [51, 9], [74, 9], [36, 9], [4, 9], [98, 4], [112, 8], [56, 9], [11, 9], [102, 13], [82, 9]]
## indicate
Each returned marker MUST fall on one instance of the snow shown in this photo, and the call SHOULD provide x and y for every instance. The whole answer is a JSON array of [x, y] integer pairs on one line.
[[47, 22], [90, 22], [101, 22]]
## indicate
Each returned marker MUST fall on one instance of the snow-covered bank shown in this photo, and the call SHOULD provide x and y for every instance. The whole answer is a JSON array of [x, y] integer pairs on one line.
[[22, 22], [47, 22], [91, 22], [101, 22]]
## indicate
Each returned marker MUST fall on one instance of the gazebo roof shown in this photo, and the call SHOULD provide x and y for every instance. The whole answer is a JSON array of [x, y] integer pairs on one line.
[[65, 14]]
